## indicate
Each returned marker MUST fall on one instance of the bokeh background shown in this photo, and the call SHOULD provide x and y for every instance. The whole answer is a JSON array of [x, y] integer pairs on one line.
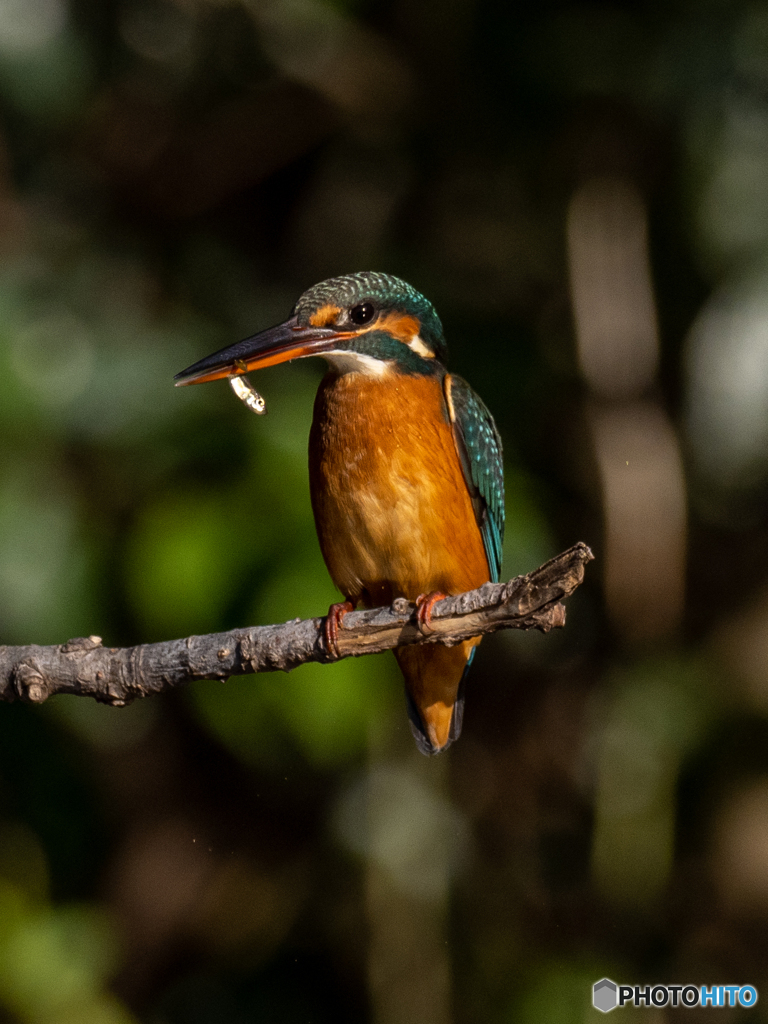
[[582, 190]]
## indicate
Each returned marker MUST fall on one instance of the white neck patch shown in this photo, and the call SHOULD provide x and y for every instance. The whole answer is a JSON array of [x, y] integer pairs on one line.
[[417, 345], [357, 362]]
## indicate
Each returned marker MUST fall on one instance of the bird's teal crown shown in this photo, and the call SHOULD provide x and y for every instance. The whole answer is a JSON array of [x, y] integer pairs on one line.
[[387, 294]]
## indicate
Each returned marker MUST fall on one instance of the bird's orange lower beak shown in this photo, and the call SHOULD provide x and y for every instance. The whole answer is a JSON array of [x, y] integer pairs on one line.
[[288, 340]]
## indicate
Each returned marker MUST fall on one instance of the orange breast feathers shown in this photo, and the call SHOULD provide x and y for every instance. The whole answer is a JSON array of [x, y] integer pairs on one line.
[[391, 505]]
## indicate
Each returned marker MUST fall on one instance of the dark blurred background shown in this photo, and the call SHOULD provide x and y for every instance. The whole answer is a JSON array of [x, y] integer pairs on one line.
[[582, 191]]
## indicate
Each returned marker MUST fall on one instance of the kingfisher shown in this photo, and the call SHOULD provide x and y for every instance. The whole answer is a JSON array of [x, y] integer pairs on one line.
[[405, 469]]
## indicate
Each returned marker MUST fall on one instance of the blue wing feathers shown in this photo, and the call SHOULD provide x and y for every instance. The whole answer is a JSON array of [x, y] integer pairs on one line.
[[479, 447]]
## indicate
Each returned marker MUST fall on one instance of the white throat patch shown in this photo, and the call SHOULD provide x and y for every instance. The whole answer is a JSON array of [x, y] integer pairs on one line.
[[357, 362]]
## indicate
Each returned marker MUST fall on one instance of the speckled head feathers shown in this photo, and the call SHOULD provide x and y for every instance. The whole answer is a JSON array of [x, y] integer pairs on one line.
[[386, 292]]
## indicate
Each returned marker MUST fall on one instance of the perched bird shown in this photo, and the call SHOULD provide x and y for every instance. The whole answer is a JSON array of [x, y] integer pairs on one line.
[[405, 469]]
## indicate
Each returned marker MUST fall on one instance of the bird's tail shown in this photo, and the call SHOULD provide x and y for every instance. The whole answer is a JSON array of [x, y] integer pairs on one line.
[[435, 679]]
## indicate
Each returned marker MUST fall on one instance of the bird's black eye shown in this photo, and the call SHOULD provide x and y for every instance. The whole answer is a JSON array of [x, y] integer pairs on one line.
[[362, 314]]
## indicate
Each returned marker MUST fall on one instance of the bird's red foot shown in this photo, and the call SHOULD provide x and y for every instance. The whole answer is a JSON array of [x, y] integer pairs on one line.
[[333, 620], [424, 605]]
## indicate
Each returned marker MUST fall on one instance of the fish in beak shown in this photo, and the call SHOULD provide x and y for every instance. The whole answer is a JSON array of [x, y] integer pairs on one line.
[[289, 340]]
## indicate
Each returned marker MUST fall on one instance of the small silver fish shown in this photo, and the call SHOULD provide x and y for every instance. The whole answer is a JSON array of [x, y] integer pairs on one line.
[[247, 393]]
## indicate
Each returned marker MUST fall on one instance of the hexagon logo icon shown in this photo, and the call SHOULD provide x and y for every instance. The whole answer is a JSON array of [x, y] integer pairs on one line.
[[604, 997]]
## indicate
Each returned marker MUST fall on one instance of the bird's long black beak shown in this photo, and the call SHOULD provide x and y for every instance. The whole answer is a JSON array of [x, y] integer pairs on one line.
[[278, 344]]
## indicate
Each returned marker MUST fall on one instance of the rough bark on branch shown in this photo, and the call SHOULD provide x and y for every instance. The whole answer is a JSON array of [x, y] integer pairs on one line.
[[118, 675]]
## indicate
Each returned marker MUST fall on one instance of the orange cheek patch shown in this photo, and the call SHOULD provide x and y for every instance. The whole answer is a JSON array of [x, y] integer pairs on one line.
[[399, 325], [325, 316]]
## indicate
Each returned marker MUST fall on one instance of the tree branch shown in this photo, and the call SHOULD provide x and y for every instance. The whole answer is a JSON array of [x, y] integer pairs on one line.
[[118, 675]]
